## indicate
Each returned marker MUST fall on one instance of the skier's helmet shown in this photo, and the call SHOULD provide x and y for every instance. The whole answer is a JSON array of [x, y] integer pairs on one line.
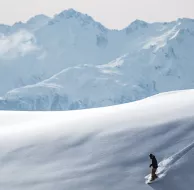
[[151, 156]]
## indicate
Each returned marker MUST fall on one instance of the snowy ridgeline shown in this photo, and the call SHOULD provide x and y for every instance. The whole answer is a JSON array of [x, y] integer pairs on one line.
[[72, 62], [103, 148]]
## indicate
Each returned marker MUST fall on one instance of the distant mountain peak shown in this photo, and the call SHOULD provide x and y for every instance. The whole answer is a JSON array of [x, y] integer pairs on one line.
[[18, 23], [126, 65], [135, 25], [84, 19], [38, 18], [71, 13], [138, 24], [185, 20]]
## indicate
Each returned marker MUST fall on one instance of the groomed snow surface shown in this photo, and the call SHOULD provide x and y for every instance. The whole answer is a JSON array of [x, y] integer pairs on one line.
[[102, 148]]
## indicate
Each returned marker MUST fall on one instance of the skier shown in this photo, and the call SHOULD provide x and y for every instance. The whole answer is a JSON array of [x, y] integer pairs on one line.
[[154, 166]]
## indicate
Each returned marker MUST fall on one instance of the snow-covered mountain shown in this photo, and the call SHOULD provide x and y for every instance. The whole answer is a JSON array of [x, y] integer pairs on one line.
[[103, 148], [71, 61]]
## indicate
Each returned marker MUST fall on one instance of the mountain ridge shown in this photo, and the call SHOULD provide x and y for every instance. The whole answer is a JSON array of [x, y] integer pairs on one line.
[[82, 64]]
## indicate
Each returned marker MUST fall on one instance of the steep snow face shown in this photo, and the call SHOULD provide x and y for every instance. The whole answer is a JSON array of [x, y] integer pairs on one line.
[[65, 91], [103, 148], [73, 62]]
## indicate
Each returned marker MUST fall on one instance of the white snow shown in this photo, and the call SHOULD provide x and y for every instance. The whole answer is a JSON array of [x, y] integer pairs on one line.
[[78, 63], [101, 148]]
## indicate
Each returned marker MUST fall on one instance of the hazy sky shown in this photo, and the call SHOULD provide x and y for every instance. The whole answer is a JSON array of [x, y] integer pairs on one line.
[[111, 13]]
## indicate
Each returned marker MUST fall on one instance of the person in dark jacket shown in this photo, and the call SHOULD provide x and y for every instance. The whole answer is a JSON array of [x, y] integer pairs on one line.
[[154, 166]]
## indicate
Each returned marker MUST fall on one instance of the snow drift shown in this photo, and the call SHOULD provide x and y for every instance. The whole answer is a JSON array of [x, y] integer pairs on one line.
[[102, 148]]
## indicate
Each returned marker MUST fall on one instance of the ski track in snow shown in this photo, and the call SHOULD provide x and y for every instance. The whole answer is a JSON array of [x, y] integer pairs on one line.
[[102, 148], [168, 163]]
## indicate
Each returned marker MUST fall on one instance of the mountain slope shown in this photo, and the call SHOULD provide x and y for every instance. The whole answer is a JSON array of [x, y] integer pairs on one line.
[[103, 148], [141, 60]]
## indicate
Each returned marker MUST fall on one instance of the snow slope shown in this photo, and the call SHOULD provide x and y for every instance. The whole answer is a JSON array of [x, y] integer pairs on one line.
[[102, 148], [42, 60]]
